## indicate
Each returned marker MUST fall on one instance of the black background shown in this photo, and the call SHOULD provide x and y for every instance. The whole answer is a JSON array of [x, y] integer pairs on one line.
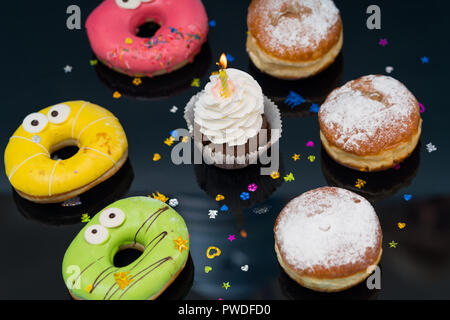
[[36, 45]]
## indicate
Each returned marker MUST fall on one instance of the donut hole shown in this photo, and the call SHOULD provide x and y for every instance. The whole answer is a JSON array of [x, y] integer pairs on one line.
[[64, 150], [127, 255], [147, 29]]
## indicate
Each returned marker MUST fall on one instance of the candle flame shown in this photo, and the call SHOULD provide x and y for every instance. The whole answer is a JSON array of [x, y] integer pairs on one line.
[[223, 61]]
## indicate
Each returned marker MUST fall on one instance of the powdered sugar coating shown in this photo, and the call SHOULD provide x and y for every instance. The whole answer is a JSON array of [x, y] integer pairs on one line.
[[295, 25], [328, 228], [369, 114]]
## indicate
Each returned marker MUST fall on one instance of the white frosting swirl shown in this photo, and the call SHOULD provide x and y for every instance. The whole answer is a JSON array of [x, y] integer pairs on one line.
[[231, 120]]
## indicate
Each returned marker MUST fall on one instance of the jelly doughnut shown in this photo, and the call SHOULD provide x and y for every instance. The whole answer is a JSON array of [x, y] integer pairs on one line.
[[328, 239], [113, 26], [143, 223], [370, 124], [293, 39], [102, 144]]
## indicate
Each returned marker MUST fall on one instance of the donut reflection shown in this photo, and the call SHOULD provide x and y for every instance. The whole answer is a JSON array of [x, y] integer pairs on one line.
[[159, 87], [379, 185], [89, 202], [314, 90]]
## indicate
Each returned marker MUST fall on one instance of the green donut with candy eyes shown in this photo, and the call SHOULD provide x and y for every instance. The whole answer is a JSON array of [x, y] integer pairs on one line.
[[143, 223]]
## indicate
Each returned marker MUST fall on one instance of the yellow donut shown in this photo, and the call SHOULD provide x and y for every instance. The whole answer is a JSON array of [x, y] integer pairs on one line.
[[102, 143]]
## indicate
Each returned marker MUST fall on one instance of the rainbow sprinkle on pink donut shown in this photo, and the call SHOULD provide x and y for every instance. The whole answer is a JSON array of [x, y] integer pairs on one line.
[[113, 25]]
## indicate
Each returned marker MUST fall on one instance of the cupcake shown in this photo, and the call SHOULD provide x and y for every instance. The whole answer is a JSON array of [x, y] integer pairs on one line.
[[231, 121]]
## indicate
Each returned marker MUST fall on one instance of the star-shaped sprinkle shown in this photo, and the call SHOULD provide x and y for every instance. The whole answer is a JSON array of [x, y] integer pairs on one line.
[[401, 225], [425, 60], [160, 197], [224, 208], [180, 244], [207, 269], [407, 197], [88, 288], [421, 108], [294, 99], [123, 279], [231, 237], [169, 141], [173, 202], [275, 175], [212, 214], [431, 147], [383, 42], [226, 285], [289, 177], [68, 69], [212, 23], [129, 41], [174, 109], [244, 268], [393, 244], [93, 62], [195, 82], [156, 157], [389, 69], [296, 157], [360, 183], [220, 197], [116, 95], [311, 158], [314, 108], [252, 187], [137, 81], [85, 218]]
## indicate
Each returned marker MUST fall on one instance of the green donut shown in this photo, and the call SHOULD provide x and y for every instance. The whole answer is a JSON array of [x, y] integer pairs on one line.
[[138, 222]]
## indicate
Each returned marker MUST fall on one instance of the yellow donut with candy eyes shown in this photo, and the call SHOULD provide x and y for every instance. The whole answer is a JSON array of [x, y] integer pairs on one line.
[[102, 143]]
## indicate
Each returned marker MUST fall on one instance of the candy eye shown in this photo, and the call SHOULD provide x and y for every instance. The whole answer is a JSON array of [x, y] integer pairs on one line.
[[128, 4], [112, 217], [35, 122], [96, 234], [58, 114]]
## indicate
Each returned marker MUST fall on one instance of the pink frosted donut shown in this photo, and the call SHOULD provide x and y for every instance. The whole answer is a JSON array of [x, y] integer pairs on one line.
[[112, 31]]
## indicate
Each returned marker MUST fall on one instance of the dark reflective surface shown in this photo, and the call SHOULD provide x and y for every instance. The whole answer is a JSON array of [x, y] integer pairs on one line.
[[313, 90], [33, 239]]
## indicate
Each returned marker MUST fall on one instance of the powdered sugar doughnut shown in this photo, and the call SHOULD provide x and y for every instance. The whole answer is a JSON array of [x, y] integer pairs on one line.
[[113, 26], [328, 239], [371, 123], [293, 39]]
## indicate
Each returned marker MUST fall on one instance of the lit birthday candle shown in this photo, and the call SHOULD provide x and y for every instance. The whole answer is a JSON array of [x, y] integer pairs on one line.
[[224, 91]]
